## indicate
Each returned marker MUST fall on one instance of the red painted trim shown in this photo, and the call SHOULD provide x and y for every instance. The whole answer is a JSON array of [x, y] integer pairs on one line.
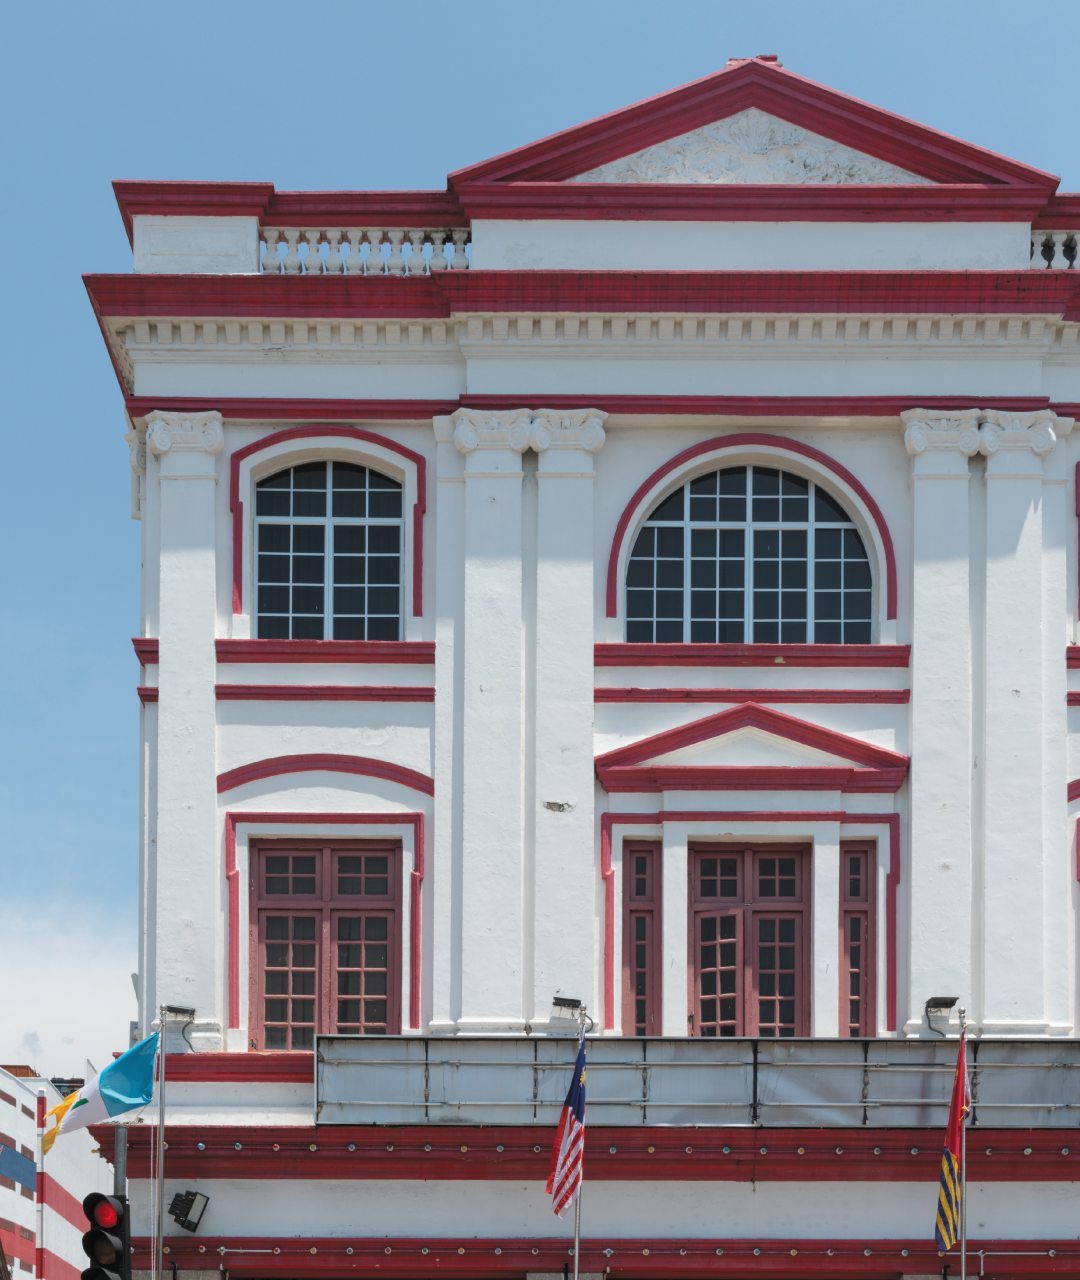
[[147, 693], [241, 1068], [755, 655], [749, 440], [892, 879], [61, 1201], [641, 202], [322, 693], [365, 209], [290, 434], [1072, 657], [770, 87], [146, 650], [364, 766], [1073, 790], [315, 820], [200, 199], [438, 1152], [1052, 293], [649, 779], [638, 1258], [751, 716], [1072, 698], [392, 652], [604, 693], [273, 409], [1061, 213]]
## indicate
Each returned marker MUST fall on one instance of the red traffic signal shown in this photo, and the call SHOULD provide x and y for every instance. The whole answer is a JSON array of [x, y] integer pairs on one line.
[[107, 1242]]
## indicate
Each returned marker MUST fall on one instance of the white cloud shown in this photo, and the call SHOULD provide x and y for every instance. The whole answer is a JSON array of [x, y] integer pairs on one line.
[[66, 993]]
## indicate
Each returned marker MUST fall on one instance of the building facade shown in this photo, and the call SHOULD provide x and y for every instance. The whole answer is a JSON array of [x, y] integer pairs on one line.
[[643, 573]]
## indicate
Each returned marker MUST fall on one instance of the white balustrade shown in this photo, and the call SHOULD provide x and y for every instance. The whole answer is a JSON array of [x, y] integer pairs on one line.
[[369, 251], [1056, 250]]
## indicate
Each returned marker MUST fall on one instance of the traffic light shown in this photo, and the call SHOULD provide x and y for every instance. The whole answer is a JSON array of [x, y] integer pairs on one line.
[[107, 1243]]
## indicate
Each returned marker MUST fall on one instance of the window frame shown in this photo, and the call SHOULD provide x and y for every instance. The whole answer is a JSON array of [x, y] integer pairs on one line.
[[862, 907], [327, 906], [648, 907], [750, 904], [749, 527], [330, 524]]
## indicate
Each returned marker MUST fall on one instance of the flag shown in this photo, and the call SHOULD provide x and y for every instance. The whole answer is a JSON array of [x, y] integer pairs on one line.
[[568, 1154], [950, 1195], [124, 1085]]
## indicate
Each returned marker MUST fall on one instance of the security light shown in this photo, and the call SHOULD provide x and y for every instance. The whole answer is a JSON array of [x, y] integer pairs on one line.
[[179, 1011], [936, 1006], [566, 1002]]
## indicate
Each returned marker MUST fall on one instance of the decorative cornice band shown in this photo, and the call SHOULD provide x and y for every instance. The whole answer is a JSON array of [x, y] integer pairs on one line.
[[185, 433]]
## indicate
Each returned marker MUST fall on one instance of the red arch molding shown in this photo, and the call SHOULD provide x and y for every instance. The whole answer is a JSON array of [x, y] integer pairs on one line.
[[365, 766], [236, 506], [314, 821], [739, 440], [892, 879]]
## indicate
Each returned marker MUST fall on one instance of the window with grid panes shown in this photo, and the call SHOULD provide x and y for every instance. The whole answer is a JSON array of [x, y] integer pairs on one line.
[[328, 547], [326, 951], [857, 968], [641, 938], [749, 555], [749, 952]]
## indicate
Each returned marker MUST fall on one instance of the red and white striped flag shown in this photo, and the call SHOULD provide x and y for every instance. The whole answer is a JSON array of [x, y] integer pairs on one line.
[[568, 1154]]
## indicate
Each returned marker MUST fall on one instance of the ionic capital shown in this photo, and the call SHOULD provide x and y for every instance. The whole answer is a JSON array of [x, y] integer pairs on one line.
[[573, 429], [1037, 432], [185, 432], [496, 429], [953, 431]]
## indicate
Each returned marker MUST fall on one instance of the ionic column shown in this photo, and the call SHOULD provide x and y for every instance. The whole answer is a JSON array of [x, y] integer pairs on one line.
[[940, 873], [563, 887], [186, 860], [1023, 751], [491, 708]]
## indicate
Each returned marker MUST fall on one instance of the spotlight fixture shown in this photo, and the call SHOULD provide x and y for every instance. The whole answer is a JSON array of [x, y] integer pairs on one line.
[[187, 1209], [179, 1010], [940, 1006], [567, 1003]]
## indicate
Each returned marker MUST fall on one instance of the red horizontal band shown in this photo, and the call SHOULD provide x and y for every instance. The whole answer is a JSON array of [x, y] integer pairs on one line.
[[1054, 293], [390, 652], [613, 1153], [752, 655], [248, 1068], [322, 693], [146, 649], [147, 693], [650, 779], [690, 694]]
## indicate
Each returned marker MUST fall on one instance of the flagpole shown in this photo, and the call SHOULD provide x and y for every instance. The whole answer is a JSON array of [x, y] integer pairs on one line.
[[159, 1212], [39, 1190], [963, 1154]]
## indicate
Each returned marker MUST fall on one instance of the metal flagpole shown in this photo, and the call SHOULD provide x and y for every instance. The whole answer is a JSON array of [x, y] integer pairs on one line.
[[159, 1208], [577, 1228], [963, 1150], [39, 1191]]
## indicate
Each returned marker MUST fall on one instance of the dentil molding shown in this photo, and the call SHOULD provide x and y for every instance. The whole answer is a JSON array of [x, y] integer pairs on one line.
[[185, 432], [521, 429]]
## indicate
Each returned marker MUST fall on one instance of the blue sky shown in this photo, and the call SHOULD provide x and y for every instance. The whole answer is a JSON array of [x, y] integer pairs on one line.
[[327, 95]]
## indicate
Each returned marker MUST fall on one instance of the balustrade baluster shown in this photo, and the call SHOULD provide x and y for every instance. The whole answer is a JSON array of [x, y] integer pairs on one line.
[[417, 265], [291, 265], [313, 262], [334, 264], [1069, 249], [354, 264], [438, 253], [375, 265], [395, 264], [460, 262], [271, 236]]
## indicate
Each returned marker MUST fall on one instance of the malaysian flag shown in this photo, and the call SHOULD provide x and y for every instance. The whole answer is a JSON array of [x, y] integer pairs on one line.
[[564, 1181]]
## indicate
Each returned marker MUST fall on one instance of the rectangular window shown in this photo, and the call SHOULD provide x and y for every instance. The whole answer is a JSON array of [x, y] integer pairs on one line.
[[326, 945], [749, 962], [641, 938], [857, 941]]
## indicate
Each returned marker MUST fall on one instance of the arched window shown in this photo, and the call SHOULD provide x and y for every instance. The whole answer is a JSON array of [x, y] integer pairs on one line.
[[749, 555], [328, 542]]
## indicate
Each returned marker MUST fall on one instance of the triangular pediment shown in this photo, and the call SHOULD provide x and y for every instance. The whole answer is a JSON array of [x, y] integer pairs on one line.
[[754, 123], [751, 747], [751, 147]]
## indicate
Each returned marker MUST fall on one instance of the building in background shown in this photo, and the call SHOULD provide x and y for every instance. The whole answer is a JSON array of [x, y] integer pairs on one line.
[[642, 573], [74, 1168]]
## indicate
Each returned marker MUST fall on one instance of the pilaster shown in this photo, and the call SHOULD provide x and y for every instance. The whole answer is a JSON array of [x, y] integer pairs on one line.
[[941, 445], [186, 908], [1022, 763], [563, 888], [491, 714]]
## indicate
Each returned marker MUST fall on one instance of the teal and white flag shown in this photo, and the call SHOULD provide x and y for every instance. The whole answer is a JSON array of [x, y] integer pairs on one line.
[[124, 1085]]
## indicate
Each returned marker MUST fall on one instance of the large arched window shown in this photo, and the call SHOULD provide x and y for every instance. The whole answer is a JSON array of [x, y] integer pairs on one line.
[[749, 555], [328, 542]]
